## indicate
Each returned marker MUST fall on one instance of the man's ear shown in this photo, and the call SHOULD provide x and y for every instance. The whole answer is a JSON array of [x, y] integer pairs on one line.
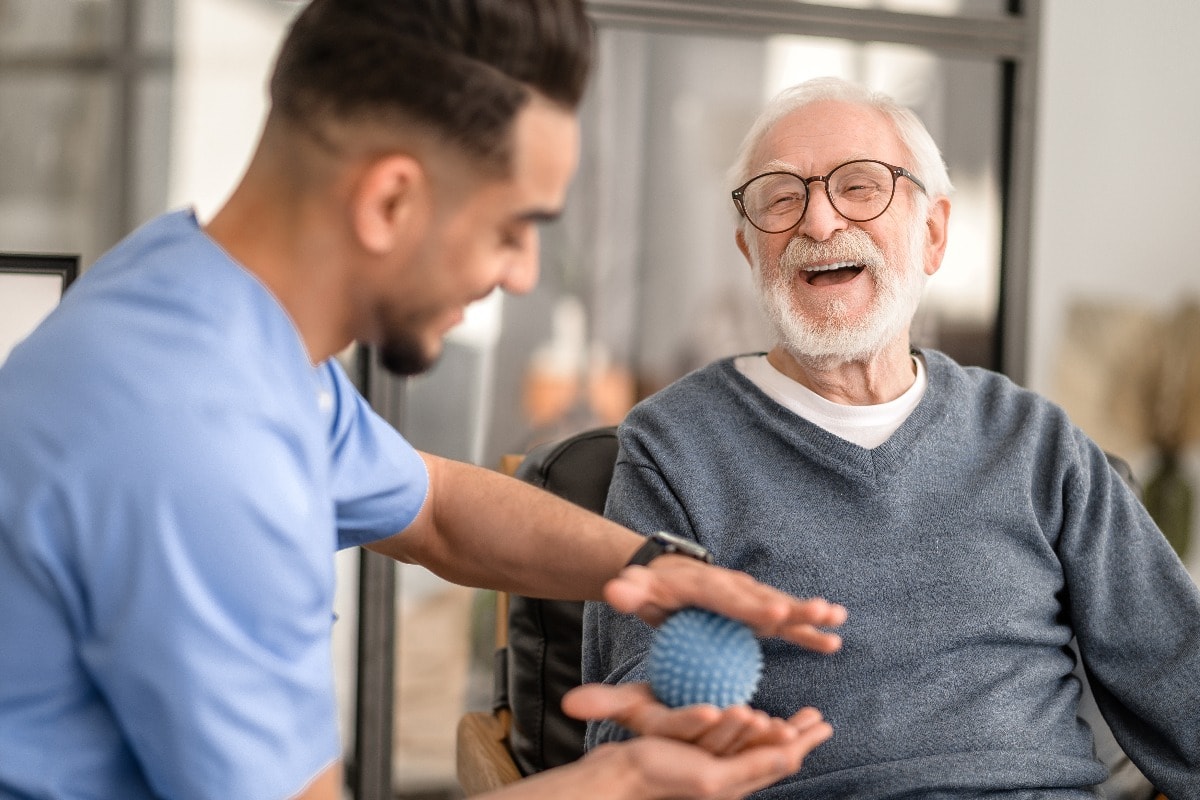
[[389, 200], [740, 238], [936, 225]]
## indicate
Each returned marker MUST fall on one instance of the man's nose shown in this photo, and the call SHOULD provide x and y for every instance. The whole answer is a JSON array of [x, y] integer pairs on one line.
[[521, 274], [821, 220]]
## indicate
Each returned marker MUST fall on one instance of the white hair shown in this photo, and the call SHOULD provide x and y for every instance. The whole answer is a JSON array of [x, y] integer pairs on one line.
[[927, 163]]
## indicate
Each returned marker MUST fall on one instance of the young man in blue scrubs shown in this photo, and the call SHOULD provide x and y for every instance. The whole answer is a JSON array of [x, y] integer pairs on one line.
[[181, 455]]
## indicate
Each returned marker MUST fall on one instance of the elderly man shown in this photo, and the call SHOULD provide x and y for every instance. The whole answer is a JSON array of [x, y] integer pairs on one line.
[[969, 528], [181, 454]]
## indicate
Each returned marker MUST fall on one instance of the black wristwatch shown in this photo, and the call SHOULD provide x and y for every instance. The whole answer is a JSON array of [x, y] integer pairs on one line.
[[661, 543]]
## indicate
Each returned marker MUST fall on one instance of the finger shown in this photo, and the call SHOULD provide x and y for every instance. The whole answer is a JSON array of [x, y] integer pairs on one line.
[[806, 619], [721, 737], [632, 591], [805, 718], [777, 732], [686, 724], [814, 735], [673, 582], [767, 610], [600, 701], [633, 706], [738, 727], [812, 638], [761, 767], [758, 767]]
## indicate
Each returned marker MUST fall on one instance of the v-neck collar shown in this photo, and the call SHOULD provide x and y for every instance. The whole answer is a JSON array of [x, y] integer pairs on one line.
[[838, 455]]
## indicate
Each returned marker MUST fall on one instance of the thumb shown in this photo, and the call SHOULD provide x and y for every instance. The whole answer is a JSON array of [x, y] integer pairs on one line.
[[632, 592], [599, 701]]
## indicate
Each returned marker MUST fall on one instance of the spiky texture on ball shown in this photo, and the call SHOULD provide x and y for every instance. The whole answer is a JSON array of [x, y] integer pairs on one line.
[[701, 657]]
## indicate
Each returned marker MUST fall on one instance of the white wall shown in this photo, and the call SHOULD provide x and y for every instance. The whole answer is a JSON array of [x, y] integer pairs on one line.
[[224, 51], [1116, 211]]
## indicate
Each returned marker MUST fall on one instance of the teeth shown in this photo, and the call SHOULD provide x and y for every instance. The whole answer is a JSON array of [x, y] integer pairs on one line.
[[828, 267]]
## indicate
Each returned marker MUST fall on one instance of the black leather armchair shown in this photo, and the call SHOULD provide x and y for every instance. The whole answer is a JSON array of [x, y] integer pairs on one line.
[[537, 660]]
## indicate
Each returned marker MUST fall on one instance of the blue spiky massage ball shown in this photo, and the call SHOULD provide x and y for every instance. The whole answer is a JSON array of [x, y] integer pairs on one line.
[[701, 657]]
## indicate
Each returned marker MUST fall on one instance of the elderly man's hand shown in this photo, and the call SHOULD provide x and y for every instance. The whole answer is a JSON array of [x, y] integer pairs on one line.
[[719, 731], [672, 582], [698, 751]]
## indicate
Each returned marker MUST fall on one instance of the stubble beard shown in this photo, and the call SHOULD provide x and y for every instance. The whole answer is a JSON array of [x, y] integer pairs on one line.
[[828, 337], [404, 356], [403, 351]]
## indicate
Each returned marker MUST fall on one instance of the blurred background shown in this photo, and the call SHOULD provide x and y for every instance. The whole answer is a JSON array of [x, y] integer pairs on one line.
[[1068, 129]]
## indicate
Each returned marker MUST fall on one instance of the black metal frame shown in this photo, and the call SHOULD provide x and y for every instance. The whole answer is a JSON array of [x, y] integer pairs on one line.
[[66, 266], [63, 266], [369, 774]]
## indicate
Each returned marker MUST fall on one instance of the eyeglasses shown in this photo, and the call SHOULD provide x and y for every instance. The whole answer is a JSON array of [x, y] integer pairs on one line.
[[858, 190]]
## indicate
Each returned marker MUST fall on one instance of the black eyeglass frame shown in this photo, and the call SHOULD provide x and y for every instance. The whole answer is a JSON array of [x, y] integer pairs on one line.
[[738, 194]]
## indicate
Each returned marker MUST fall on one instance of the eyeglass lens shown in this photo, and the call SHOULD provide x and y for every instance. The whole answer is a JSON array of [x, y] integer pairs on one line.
[[858, 190]]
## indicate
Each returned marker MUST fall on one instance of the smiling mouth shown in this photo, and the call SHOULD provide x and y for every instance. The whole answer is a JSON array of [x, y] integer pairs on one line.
[[832, 274]]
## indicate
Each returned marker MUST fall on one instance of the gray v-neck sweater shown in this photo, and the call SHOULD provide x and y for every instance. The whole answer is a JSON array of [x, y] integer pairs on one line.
[[969, 548]]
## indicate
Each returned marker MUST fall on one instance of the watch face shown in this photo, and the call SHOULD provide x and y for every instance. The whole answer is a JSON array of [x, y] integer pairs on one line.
[[686, 547], [660, 542]]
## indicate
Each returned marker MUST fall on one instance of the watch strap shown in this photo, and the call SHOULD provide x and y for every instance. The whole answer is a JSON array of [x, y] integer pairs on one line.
[[662, 543]]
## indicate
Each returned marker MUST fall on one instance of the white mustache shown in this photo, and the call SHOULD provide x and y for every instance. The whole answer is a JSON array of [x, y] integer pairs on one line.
[[851, 247]]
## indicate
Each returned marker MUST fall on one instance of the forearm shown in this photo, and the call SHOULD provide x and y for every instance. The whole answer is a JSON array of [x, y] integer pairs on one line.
[[601, 776], [481, 528], [325, 786]]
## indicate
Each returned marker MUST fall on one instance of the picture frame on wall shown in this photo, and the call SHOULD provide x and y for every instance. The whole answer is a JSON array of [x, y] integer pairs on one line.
[[30, 287]]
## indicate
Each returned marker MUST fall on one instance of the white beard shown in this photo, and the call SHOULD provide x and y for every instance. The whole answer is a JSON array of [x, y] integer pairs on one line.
[[832, 339]]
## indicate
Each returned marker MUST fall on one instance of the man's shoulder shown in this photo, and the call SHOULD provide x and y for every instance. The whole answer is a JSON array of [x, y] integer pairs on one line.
[[161, 238], [948, 375], [175, 320], [990, 398], [715, 399], [700, 388], [168, 360]]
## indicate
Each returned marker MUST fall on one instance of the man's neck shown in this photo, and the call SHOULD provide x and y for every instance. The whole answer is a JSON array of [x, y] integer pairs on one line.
[[292, 248], [880, 379]]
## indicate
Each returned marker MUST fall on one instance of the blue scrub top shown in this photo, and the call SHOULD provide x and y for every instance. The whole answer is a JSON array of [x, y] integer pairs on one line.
[[174, 479]]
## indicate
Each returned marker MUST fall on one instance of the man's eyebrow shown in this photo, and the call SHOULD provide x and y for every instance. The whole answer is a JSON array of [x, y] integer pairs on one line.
[[778, 165], [540, 216]]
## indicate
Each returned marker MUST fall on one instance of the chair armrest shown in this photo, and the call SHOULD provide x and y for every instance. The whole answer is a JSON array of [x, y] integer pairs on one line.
[[483, 760]]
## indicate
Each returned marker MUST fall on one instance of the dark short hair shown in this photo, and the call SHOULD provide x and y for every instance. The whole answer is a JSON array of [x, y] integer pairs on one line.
[[462, 68]]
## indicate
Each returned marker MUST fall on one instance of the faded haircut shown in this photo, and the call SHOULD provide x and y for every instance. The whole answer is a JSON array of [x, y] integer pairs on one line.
[[462, 69]]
